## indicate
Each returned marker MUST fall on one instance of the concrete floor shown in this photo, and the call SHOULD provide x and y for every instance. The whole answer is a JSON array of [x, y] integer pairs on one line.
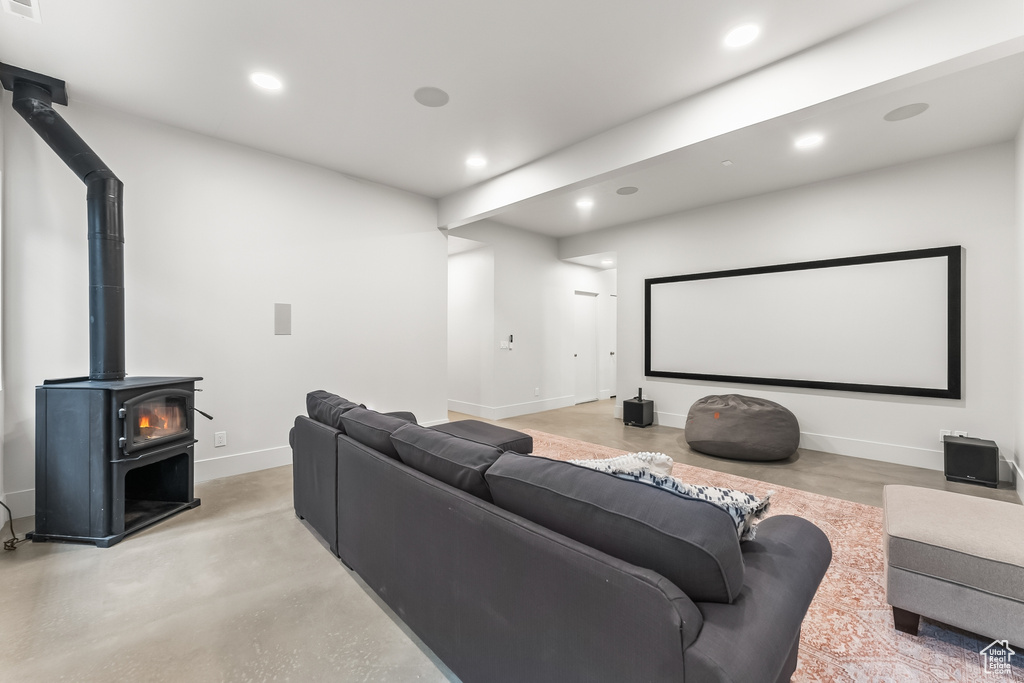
[[839, 476], [240, 590]]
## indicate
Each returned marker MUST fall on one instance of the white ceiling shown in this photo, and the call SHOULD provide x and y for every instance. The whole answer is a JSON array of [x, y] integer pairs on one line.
[[978, 106], [526, 77]]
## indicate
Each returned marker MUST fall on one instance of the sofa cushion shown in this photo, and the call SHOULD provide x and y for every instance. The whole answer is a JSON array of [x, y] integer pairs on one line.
[[690, 542], [455, 461], [655, 469], [327, 408], [486, 433], [372, 429]]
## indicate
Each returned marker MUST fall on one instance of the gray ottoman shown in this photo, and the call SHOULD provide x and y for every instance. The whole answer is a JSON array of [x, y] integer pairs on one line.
[[954, 558], [491, 435], [742, 427]]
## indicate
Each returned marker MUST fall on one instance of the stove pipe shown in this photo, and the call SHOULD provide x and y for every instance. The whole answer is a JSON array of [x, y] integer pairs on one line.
[[33, 99]]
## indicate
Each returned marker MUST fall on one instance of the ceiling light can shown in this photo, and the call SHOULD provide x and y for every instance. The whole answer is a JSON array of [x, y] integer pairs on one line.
[[742, 35], [266, 81], [585, 203], [628, 189], [809, 141]]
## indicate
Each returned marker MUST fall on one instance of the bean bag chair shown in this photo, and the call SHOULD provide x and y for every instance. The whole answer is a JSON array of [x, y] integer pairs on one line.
[[742, 428]]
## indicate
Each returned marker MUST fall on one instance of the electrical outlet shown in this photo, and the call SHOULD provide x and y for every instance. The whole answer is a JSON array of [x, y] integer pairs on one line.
[[944, 433], [959, 433], [536, 392], [220, 439]]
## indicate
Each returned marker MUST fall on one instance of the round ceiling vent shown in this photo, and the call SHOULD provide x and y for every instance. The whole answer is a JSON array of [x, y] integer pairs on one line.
[[906, 112], [431, 97], [629, 189]]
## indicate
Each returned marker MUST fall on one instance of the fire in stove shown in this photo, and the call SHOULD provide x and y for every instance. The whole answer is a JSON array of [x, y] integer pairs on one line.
[[159, 418]]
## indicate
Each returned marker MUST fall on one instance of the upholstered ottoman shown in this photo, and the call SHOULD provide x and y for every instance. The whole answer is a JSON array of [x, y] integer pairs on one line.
[[954, 558], [742, 427], [490, 435]]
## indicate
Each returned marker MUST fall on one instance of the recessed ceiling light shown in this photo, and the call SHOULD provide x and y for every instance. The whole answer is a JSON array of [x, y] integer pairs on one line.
[[809, 141], [726, 163], [629, 189], [744, 34], [607, 262], [265, 80], [906, 112], [476, 162], [585, 203], [431, 97]]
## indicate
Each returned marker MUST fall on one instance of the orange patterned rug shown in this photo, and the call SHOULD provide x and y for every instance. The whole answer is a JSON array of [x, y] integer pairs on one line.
[[848, 633]]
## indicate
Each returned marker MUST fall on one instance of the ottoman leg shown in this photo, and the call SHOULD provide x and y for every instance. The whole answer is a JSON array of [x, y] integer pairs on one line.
[[905, 621]]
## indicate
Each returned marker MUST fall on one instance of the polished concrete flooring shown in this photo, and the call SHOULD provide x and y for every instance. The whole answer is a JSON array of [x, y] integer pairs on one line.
[[239, 589], [839, 476]]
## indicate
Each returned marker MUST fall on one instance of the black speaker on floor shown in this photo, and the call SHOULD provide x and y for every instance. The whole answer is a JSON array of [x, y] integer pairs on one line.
[[637, 412], [970, 460]]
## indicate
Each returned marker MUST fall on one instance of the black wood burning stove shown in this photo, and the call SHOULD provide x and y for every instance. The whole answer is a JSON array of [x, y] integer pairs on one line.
[[112, 457], [114, 454]]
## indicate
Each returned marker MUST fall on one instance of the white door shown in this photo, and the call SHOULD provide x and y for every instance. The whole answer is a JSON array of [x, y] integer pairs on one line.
[[585, 346]]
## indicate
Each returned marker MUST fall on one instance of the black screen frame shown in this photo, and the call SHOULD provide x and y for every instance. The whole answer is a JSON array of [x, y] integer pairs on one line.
[[954, 256]]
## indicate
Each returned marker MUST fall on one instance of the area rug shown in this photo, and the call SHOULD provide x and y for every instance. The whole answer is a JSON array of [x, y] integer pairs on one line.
[[848, 633]]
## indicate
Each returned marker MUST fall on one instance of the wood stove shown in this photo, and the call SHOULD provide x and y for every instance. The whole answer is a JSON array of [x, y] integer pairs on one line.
[[112, 457], [114, 454]]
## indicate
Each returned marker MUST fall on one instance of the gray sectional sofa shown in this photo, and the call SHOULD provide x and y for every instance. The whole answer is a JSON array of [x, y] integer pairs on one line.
[[517, 568]]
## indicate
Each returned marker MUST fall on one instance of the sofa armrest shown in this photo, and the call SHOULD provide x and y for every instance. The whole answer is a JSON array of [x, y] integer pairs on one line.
[[315, 477], [750, 640]]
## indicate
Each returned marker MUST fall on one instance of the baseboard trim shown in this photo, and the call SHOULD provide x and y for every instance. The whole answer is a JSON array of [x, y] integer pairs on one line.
[[859, 448], [22, 504], [513, 410], [241, 463]]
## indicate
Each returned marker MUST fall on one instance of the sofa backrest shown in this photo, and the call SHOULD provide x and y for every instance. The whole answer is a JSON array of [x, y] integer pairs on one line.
[[372, 429], [327, 408], [456, 461], [497, 597], [690, 542]]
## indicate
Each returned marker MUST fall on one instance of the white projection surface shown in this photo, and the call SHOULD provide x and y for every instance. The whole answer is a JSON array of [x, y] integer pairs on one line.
[[879, 323]]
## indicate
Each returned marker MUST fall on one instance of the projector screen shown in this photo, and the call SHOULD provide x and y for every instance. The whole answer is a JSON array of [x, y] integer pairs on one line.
[[885, 323]]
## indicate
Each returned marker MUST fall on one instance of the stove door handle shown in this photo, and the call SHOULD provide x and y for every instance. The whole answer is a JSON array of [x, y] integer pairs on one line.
[[206, 415]]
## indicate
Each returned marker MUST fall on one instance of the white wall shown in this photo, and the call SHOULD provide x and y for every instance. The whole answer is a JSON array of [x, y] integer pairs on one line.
[[1019, 327], [470, 329], [532, 301], [215, 234], [965, 198]]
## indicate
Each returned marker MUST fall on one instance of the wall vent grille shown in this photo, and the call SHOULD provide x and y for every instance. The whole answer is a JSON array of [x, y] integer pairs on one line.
[[25, 9]]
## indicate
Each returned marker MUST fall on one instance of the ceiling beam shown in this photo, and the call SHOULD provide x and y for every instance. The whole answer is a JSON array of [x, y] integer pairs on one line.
[[925, 40]]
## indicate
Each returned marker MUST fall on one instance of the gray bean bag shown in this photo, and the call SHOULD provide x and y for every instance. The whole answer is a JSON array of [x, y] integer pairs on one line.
[[742, 427]]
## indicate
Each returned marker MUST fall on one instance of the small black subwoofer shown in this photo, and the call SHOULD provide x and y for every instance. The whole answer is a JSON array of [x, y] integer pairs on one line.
[[970, 460]]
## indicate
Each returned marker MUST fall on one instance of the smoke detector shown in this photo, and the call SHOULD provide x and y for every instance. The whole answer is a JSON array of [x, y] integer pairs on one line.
[[25, 9]]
